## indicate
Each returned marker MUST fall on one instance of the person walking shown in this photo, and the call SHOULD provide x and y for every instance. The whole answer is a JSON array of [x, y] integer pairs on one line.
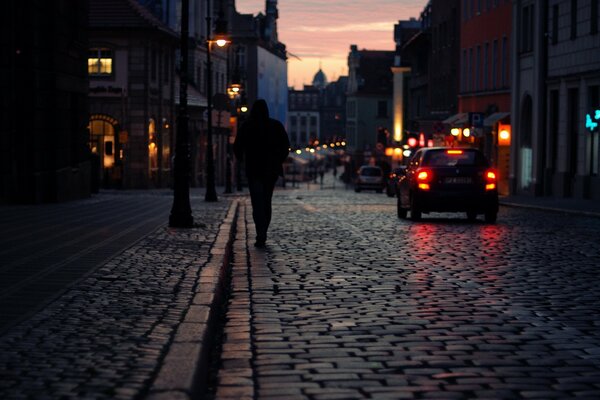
[[263, 144]]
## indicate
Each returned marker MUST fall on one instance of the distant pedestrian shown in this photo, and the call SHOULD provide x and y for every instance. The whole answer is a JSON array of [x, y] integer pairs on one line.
[[263, 144]]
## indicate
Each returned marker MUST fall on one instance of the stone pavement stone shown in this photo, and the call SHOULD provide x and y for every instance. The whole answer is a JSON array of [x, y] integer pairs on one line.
[[347, 301], [133, 328]]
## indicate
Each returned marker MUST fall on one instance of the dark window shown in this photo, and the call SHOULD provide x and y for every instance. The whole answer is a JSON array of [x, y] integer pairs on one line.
[[527, 28], [153, 62], [486, 66], [495, 64], [504, 64], [555, 10], [478, 68], [573, 19], [382, 109], [167, 68], [594, 17], [442, 158], [573, 124], [471, 77], [464, 71], [293, 121], [553, 129]]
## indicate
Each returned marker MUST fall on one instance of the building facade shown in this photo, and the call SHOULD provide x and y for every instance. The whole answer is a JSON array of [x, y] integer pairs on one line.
[[44, 155], [369, 101], [333, 111], [555, 84], [132, 85], [258, 58], [485, 71], [304, 116]]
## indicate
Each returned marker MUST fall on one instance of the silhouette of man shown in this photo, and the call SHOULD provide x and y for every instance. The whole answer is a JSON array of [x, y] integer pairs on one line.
[[263, 144]]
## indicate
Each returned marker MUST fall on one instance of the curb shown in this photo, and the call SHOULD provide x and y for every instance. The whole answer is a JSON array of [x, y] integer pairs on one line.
[[180, 375], [551, 209]]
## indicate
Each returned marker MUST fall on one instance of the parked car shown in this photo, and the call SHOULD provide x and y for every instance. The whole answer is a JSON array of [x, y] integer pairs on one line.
[[443, 179], [369, 178], [392, 181]]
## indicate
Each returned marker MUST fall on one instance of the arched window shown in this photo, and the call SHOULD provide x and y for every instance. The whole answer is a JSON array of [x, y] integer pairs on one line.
[[102, 138]]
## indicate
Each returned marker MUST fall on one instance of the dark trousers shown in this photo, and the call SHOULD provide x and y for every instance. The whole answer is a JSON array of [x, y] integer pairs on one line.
[[261, 193]]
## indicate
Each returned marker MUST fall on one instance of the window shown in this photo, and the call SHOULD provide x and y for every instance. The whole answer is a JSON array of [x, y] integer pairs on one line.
[[486, 66], [153, 61], [573, 19], [527, 28], [382, 109], [594, 17], [495, 64], [313, 121], [464, 71], [100, 62], [293, 121], [471, 77], [167, 69], [504, 71], [478, 68], [555, 24]]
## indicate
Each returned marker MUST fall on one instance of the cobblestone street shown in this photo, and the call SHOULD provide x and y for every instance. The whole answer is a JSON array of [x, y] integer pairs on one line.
[[348, 301]]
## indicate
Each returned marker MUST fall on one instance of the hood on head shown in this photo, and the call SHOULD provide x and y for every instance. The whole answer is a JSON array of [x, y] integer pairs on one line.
[[260, 110]]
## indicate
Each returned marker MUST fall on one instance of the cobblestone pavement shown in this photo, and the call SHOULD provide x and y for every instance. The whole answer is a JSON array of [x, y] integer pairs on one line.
[[106, 336], [349, 302]]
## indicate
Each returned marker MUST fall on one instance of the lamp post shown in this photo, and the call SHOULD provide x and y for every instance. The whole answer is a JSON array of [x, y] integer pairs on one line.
[[181, 212], [211, 193]]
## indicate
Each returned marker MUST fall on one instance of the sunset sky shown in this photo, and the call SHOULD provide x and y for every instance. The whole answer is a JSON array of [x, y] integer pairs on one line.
[[321, 31]]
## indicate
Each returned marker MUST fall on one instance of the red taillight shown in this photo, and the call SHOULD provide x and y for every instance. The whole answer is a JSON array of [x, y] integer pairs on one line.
[[424, 176], [490, 180]]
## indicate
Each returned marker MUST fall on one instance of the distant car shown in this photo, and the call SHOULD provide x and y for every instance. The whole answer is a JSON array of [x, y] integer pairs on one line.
[[442, 179], [392, 181], [369, 178]]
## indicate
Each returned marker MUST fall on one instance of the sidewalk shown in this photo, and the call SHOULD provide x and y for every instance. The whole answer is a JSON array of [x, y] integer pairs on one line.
[[140, 325], [565, 205]]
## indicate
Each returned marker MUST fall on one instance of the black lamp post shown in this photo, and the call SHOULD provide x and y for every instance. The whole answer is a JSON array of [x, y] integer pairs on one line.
[[221, 27], [181, 212]]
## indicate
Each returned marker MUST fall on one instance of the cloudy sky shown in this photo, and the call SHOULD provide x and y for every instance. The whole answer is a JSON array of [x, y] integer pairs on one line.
[[321, 31]]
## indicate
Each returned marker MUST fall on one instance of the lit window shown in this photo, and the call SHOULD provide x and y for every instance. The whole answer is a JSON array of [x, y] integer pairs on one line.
[[100, 62]]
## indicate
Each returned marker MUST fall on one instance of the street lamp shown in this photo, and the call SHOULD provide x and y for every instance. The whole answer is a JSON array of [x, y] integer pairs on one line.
[[181, 211], [220, 40]]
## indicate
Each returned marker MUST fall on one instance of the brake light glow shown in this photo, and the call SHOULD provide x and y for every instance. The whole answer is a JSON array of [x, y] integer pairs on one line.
[[454, 152], [491, 178], [424, 176]]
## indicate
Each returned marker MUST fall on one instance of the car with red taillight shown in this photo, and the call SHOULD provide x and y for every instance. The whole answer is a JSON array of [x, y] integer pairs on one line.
[[448, 179]]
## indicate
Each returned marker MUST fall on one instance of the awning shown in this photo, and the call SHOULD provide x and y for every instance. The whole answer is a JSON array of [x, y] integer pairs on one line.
[[494, 118], [457, 119]]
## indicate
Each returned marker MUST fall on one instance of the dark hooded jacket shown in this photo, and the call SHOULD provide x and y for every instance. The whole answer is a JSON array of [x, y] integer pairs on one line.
[[262, 143]]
